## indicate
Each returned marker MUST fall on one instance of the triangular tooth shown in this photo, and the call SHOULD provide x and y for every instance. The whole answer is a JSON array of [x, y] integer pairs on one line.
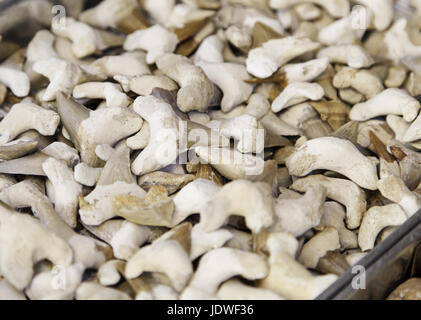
[[72, 114], [169, 97], [29, 165], [117, 167], [214, 139], [348, 131], [17, 150]]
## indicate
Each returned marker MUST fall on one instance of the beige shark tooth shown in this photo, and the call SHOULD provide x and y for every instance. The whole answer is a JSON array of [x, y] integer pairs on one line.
[[171, 181], [88, 129], [155, 209], [71, 115], [123, 236], [28, 165], [116, 180]]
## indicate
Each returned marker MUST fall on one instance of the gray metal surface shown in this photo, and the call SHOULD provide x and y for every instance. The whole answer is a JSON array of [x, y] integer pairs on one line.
[[389, 264]]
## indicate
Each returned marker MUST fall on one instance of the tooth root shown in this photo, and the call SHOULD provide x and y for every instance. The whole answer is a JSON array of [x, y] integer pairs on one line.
[[72, 114], [29, 165], [117, 167]]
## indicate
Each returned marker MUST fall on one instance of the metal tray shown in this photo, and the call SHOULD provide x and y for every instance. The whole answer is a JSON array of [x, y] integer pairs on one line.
[[388, 265]]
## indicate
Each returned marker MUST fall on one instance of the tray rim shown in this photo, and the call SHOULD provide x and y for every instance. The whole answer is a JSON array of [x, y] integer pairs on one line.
[[386, 250]]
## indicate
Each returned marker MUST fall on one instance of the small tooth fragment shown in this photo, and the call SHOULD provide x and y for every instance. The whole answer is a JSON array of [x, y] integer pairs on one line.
[[155, 209], [229, 77], [352, 55], [154, 258], [156, 40], [389, 101], [202, 242], [171, 181], [124, 236], [25, 116], [337, 155], [343, 191], [197, 92], [86, 175], [66, 189], [85, 39], [129, 64], [63, 76], [334, 112], [144, 85], [32, 164], [192, 198], [211, 273], [258, 211], [88, 129], [169, 135], [111, 92], [296, 93], [231, 163], [333, 262], [16, 80], [376, 219], [263, 61], [318, 246]]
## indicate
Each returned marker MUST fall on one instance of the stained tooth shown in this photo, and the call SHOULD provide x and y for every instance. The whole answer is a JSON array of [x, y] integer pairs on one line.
[[29, 165], [17, 149], [155, 209], [117, 167], [333, 262], [71, 114]]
